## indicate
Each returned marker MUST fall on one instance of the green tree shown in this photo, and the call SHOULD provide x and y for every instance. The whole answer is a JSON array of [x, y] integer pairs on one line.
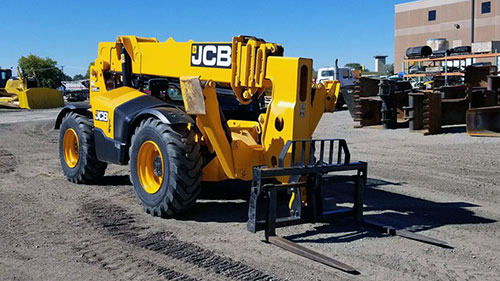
[[46, 71], [78, 77], [389, 68], [87, 75], [354, 65], [66, 77]]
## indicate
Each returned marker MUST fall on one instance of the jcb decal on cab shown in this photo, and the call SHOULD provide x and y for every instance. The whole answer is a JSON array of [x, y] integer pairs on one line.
[[211, 55], [101, 116]]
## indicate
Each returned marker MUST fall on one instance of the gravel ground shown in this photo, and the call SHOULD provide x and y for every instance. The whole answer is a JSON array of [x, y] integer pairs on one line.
[[444, 186]]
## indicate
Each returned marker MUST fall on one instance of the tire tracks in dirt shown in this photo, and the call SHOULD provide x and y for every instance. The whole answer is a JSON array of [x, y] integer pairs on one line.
[[116, 223], [8, 162], [44, 130]]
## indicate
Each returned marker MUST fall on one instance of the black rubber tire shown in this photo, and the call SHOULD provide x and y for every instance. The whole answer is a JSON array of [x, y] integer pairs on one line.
[[182, 162], [88, 168], [340, 102]]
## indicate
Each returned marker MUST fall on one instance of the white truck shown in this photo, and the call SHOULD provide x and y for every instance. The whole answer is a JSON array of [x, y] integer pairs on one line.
[[346, 77]]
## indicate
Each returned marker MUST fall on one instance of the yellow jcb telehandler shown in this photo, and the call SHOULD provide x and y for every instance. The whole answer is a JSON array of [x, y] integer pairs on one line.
[[182, 113]]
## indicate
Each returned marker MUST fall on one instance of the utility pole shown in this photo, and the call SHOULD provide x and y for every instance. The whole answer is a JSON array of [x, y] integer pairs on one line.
[[472, 21]]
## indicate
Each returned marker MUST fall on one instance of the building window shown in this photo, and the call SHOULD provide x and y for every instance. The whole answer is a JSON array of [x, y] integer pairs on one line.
[[486, 7], [432, 15]]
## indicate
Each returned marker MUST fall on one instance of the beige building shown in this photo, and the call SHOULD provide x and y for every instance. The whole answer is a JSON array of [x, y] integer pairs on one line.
[[417, 21]]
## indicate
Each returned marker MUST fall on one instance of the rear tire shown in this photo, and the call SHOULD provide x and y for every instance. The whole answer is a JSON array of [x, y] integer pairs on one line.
[[340, 101], [165, 167], [77, 149]]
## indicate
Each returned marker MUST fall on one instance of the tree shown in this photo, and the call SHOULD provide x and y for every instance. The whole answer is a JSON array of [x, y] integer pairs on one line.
[[78, 77], [46, 71], [389, 68], [354, 65], [66, 77], [87, 75]]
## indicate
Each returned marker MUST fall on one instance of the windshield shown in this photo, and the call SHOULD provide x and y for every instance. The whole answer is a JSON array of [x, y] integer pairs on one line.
[[327, 73], [174, 93]]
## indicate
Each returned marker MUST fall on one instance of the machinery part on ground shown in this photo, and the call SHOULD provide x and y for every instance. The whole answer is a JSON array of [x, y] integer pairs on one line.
[[24, 92], [415, 111], [432, 113], [389, 111], [364, 105], [477, 76], [484, 121], [483, 116], [494, 83], [77, 150], [378, 102], [165, 167], [433, 109]]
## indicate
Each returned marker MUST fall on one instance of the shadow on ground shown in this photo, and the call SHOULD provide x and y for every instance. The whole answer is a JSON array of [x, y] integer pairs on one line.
[[227, 202], [113, 180]]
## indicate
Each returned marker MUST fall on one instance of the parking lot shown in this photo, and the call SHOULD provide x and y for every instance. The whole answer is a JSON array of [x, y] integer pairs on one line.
[[443, 186]]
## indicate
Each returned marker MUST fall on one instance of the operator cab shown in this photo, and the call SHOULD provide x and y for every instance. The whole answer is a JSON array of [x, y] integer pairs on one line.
[[5, 75]]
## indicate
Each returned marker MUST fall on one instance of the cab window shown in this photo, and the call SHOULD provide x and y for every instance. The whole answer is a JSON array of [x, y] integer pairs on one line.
[[327, 73], [345, 73]]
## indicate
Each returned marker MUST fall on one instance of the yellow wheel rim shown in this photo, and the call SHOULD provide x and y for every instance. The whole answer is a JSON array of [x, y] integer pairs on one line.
[[150, 167], [71, 148]]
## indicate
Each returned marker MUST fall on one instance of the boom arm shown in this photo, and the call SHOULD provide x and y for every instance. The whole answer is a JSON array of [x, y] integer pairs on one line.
[[247, 64]]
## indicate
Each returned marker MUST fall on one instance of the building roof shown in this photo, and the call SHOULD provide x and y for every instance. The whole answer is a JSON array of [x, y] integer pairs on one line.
[[423, 4]]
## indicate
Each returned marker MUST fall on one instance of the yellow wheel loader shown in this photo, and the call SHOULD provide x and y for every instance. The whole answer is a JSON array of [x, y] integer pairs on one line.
[[23, 92], [182, 113]]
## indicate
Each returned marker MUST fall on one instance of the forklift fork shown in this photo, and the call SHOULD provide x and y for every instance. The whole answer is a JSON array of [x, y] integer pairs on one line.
[[308, 206]]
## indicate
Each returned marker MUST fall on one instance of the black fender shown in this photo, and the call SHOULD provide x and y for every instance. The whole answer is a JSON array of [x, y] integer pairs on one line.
[[166, 114], [129, 114], [78, 108], [116, 150], [127, 117]]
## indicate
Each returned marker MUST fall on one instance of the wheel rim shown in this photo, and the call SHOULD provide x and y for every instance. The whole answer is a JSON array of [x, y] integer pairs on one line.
[[71, 148], [150, 167]]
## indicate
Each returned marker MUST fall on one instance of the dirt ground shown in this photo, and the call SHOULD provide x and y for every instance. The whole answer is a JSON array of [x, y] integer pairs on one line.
[[444, 186]]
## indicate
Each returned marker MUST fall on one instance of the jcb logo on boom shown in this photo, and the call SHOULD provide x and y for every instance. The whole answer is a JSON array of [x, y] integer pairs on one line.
[[101, 116], [211, 55]]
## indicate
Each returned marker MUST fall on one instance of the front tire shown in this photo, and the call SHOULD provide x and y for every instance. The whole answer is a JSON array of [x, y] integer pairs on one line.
[[165, 167], [77, 150]]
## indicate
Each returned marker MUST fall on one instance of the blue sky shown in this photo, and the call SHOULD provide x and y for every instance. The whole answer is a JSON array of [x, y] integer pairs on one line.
[[69, 31]]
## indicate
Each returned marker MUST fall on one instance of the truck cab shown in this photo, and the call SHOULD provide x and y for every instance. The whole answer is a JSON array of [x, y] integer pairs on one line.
[[346, 75]]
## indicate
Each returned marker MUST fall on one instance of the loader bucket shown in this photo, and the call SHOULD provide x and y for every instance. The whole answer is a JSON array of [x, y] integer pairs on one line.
[[34, 98], [484, 121]]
